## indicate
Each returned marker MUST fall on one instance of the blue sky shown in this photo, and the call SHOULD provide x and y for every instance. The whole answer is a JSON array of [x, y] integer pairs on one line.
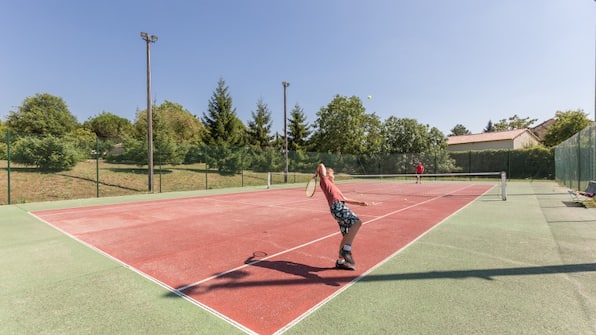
[[439, 62]]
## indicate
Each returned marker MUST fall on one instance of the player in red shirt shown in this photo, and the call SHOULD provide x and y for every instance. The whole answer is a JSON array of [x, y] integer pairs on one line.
[[419, 172]]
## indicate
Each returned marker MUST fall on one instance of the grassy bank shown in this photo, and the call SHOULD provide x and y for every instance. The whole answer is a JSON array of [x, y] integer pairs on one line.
[[92, 178]]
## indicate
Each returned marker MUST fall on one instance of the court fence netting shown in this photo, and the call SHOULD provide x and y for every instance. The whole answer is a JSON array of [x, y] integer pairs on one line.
[[36, 168], [374, 182], [575, 159]]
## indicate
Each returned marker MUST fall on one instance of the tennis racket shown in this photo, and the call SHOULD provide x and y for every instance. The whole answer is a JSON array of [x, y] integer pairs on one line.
[[311, 187]]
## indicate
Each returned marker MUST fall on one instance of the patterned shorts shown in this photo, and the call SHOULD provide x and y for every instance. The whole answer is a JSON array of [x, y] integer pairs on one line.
[[344, 216]]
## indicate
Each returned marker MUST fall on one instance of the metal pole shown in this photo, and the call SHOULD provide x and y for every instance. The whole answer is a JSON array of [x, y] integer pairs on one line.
[[285, 85], [8, 161], [594, 124], [149, 123], [149, 39], [96, 166]]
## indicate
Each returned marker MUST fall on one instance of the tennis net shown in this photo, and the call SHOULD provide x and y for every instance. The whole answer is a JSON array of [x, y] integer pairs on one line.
[[434, 183]]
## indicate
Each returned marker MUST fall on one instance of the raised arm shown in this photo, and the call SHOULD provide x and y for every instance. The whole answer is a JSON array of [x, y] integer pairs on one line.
[[321, 170]]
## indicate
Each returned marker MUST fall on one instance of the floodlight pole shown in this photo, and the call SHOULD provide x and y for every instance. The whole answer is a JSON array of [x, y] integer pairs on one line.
[[285, 84], [149, 39]]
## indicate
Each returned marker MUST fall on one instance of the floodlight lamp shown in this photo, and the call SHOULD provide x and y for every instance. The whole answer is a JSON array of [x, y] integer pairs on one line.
[[153, 38], [144, 35]]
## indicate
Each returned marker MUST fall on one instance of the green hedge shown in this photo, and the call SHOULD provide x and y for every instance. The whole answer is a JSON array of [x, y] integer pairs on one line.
[[535, 163]]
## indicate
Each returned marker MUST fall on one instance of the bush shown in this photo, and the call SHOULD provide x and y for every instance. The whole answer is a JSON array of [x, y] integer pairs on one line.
[[48, 153]]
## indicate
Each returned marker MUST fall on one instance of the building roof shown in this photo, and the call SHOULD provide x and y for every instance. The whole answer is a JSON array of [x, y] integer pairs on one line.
[[488, 137], [541, 129]]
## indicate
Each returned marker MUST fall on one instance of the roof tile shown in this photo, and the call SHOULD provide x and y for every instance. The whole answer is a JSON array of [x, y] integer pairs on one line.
[[486, 137]]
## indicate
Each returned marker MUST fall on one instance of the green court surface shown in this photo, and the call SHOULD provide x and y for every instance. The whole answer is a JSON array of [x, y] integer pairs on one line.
[[522, 266]]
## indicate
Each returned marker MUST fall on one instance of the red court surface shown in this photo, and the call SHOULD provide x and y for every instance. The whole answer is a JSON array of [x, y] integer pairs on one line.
[[260, 260]]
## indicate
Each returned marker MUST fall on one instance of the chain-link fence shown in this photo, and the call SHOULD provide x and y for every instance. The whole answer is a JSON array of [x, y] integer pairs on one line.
[[532, 163], [574, 159], [47, 168]]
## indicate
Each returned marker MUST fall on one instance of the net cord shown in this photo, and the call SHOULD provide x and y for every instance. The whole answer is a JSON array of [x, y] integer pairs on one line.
[[502, 175]]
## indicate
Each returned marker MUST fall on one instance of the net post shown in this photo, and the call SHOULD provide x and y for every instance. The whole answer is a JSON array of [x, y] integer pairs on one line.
[[268, 180], [503, 185]]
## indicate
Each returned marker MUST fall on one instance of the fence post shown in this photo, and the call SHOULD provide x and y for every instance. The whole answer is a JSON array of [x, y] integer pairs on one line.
[[8, 162], [579, 166], [509, 162], [96, 166]]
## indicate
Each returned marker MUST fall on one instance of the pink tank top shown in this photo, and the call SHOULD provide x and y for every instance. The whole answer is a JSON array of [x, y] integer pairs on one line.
[[332, 193]]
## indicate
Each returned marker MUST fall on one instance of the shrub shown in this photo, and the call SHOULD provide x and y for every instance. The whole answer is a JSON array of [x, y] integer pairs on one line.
[[48, 153]]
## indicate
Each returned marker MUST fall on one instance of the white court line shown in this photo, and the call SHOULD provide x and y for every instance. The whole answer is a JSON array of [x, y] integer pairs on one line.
[[153, 279], [178, 291], [345, 287], [202, 281]]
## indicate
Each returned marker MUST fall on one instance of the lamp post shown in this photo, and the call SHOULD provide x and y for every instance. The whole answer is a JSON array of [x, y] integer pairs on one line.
[[149, 39], [285, 84]]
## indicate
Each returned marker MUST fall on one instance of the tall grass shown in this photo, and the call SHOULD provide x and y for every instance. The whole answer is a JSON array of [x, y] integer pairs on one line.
[[31, 185]]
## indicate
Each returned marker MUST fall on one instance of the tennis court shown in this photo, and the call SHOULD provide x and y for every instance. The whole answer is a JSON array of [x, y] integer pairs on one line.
[[262, 262]]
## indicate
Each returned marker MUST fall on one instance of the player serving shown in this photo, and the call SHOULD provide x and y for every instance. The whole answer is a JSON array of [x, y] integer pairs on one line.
[[348, 222]]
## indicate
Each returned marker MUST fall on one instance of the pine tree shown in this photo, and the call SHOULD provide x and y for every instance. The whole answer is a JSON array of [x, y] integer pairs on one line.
[[259, 128], [299, 130], [489, 127], [224, 134], [221, 122]]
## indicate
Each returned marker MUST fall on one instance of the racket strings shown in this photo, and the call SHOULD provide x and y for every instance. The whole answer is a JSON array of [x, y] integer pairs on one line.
[[311, 187]]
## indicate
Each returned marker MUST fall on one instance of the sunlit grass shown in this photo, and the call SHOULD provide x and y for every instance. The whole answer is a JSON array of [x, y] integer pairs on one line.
[[30, 185]]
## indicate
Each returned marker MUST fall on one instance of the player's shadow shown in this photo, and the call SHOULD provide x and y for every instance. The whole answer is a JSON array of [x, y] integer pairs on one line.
[[309, 273], [304, 275]]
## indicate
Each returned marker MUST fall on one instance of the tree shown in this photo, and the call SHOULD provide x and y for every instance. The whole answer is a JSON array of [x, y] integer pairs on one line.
[[459, 130], [42, 114], [176, 122], [438, 153], [261, 156], [373, 129], [110, 130], [224, 131], [566, 125], [85, 141], [49, 153], [436, 139], [414, 142], [259, 128], [514, 122], [108, 126], [175, 130], [299, 133], [404, 136], [170, 120], [489, 127], [341, 127], [298, 129], [221, 122], [3, 136]]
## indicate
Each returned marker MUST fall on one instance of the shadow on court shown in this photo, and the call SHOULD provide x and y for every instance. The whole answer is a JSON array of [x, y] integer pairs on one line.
[[306, 275], [487, 274]]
